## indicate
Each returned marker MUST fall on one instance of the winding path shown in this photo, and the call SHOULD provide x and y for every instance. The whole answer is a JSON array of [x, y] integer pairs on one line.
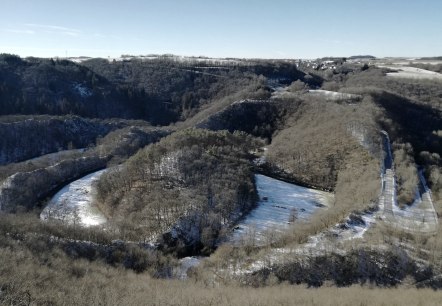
[[419, 217]]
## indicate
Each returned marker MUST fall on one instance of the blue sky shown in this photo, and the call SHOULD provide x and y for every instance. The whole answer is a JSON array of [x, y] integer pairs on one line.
[[223, 28]]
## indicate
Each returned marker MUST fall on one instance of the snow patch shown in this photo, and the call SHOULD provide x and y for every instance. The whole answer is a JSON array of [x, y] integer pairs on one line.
[[169, 165], [360, 133], [411, 72], [260, 161], [185, 264], [82, 90], [74, 203], [280, 205], [332, 95]]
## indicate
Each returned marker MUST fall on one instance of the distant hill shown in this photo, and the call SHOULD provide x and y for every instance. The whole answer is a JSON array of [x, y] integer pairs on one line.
[[432, 58], [160, 90], [362, 57], [60, 87]]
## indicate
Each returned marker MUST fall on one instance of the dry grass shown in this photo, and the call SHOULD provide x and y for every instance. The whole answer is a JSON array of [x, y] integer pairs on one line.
[[67, 282], [175, 293], [106, 288], [32, 272]]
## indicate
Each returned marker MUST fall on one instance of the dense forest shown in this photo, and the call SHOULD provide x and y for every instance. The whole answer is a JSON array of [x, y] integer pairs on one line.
[[160, 90], [194, 183]]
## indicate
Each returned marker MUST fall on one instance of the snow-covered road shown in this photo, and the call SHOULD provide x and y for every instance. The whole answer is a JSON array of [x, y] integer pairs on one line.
[[74, 203], [419, 217]]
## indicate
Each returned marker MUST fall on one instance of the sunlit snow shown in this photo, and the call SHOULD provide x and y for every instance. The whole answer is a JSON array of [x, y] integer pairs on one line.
[[280, 204], [332, 95], [74, 203]]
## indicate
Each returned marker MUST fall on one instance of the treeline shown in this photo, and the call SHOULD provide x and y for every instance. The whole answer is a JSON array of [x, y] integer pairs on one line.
[[188, 189], [430, 67], [60, 87], [384, 268], [102, 272], [414, 128], [59, 255], [260, 118], [405, 119], [26, 137]]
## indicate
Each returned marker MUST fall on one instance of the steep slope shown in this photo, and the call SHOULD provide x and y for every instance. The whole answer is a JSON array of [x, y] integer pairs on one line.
[[27, 138], [59, 87]]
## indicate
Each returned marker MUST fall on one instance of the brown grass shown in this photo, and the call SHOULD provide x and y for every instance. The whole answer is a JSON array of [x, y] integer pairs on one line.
[[84, 284], [32, 272]]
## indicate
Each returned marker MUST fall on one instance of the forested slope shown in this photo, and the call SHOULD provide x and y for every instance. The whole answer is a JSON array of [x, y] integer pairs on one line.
[[160, 90], [192, 185], [27, 138]]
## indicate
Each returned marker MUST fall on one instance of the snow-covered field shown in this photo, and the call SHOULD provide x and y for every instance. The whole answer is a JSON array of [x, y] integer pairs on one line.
[[280, 205], [412, 61], [332, 95], [411, 72], [74, 203], [187, 263]]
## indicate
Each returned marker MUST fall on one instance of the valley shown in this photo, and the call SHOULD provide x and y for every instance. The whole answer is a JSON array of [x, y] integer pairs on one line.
[[320, 173]]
